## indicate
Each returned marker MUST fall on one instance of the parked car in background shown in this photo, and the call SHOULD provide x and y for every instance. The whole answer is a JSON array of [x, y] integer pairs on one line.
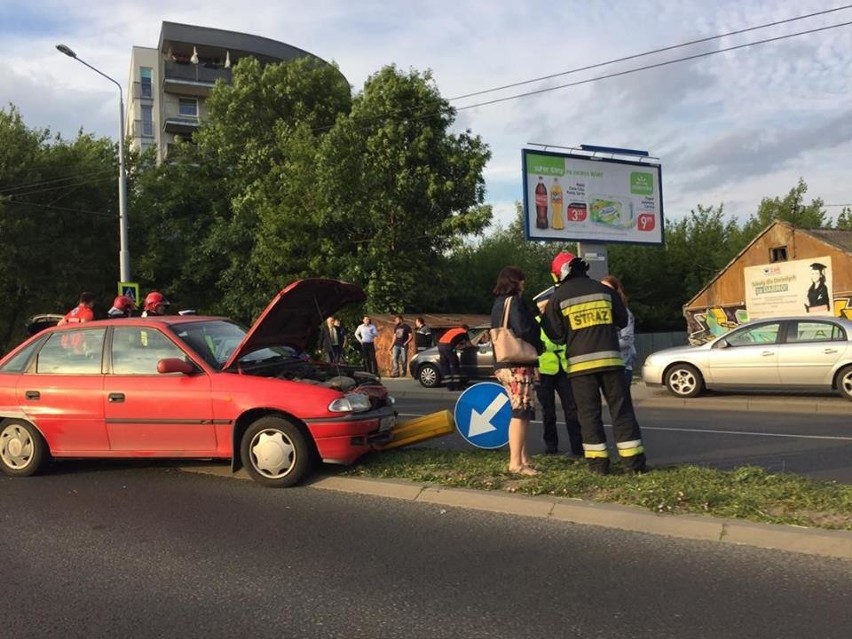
[[476, 361], [190, 386], [810, 353]]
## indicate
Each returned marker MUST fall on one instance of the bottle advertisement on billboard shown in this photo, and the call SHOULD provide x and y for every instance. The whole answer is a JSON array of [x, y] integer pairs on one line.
[[569, 197]]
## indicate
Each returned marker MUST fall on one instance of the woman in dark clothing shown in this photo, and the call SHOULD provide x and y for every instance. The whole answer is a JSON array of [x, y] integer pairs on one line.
[[518, 379]]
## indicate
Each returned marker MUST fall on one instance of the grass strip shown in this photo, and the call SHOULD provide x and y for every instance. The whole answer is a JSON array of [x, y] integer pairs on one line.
[[748, 492]]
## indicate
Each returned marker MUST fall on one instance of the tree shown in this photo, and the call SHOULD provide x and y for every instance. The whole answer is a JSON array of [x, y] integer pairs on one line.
[[402, 189], [58, 222], [791, 208]]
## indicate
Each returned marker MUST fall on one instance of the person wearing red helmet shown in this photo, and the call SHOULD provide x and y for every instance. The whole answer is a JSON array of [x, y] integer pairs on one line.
[[122, 306], [585, 315], [155, 304]]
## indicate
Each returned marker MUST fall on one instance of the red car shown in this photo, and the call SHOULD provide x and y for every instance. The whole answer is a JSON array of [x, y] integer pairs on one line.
[[194, 387]]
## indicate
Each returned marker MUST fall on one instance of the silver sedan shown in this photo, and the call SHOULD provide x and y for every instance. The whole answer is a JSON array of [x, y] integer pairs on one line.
[[788, 353]]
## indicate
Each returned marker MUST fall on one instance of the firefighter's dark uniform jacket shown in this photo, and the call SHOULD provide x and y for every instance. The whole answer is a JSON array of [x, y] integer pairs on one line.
[[585, 315]]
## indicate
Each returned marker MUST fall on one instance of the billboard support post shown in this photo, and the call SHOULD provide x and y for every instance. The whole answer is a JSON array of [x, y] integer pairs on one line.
[[595, 256]]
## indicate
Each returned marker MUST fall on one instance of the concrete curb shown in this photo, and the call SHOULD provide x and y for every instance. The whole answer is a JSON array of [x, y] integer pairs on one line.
[[812, 541], [645, 397], [830, 543]]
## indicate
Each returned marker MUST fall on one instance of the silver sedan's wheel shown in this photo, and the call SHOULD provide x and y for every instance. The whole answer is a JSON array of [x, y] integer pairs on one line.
[[429, 376], [275, 452], [684, 380], [844, 382], [22, 449]]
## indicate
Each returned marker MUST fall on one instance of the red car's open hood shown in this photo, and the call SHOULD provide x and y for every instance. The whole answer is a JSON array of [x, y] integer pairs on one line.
[[293, 316]]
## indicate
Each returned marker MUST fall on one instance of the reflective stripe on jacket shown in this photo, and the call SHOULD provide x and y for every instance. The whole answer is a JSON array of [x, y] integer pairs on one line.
[[586, 315]]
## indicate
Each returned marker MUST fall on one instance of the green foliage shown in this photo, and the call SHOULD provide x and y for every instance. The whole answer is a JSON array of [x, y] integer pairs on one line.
[[791, 208], [746, 493], [58, 222]]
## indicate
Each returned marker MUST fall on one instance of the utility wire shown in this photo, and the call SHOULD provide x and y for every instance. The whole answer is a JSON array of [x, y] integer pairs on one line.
[[60, 208], [20, 187], [647, 53], [653, 66]]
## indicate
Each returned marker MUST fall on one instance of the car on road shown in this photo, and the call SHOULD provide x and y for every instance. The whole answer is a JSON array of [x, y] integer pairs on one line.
[[476, 361], [809, 353], [194, 387]]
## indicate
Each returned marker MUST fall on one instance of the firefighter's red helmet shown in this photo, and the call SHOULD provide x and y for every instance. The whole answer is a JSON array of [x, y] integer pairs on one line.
[[155, 299], [559, 265], [124, 303]]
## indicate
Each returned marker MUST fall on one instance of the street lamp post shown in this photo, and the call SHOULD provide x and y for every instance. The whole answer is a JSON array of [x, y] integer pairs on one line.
[[124, 253]]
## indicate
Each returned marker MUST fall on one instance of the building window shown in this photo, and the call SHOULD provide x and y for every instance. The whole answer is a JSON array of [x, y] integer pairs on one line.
[[147, 86], [147, 122], [188, 107], [778, 254]]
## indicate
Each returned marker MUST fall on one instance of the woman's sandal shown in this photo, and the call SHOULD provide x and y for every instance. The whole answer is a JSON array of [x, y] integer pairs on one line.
[[524, 470]]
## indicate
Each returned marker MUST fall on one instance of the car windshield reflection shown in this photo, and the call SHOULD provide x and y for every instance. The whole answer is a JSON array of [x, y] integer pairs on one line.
[[215, 341]]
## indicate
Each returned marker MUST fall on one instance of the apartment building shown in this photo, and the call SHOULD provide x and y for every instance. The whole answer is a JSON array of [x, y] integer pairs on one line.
[[168, 85]]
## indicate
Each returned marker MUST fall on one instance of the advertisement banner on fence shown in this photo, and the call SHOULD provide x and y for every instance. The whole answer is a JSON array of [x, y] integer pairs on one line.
[[570, 197], [789, 288]]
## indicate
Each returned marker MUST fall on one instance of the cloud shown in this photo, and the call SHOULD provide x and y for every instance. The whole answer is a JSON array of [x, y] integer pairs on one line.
[[733, 127]]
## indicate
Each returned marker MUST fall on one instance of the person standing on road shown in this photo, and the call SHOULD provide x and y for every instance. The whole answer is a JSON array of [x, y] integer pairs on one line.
[[627, 335], [422, 335], [553, 380], [583, 314], [366, 334], [399, 351], [518, 379], [331, 341]]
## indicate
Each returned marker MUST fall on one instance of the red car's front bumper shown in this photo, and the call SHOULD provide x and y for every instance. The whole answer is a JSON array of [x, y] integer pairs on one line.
[[344, 441]]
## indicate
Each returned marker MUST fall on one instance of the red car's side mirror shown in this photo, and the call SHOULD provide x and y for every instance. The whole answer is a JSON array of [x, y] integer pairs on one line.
[[175, 365]]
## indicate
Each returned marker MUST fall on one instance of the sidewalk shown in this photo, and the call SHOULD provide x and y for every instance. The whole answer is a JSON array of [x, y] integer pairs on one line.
[[644, 396]]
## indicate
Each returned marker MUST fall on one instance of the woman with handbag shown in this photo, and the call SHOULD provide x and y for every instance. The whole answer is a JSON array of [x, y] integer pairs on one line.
[[517, 343]]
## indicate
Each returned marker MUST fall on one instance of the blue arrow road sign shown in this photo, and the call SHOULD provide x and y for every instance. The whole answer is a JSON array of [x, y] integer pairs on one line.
[[483, 414]]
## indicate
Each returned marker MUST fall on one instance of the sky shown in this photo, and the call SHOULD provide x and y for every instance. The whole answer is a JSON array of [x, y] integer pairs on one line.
[[728, 128]]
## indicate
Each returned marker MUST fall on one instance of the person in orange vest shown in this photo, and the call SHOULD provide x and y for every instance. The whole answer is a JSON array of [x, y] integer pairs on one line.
[[451, 340], [82, 312]]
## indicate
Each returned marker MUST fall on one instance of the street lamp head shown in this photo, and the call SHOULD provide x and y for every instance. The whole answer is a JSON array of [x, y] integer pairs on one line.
[[66, 50]]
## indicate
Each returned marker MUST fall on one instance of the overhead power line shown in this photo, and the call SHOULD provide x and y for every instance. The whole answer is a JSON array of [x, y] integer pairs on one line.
[[636, 56], [58, 182], [652, 66]]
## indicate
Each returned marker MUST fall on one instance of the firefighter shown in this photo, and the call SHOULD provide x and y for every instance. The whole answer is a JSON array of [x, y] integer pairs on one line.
[[82, 312], [585, 315], [122, 306], [155, 304]]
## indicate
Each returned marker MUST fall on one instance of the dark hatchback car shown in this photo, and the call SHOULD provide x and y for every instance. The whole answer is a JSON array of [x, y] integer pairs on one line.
[[476, 361]]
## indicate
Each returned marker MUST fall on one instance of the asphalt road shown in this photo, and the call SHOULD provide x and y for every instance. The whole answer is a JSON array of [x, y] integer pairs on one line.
[[100, 549], [789, 438]]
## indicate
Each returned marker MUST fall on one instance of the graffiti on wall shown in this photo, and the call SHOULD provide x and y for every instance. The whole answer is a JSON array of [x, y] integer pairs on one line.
[[709, 323]]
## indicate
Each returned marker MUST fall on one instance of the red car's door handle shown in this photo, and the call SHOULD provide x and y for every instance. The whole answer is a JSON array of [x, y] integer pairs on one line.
[[32, 395], [113, 398]]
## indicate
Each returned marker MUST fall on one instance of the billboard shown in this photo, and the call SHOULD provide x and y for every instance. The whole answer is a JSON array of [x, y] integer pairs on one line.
[[789, 288], [572, 197]]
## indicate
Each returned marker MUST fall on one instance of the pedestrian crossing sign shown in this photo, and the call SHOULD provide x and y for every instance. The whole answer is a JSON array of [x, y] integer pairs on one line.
[[130, 289]]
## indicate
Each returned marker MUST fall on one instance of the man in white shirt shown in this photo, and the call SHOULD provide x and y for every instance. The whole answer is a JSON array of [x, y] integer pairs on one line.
[[366, 334]]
